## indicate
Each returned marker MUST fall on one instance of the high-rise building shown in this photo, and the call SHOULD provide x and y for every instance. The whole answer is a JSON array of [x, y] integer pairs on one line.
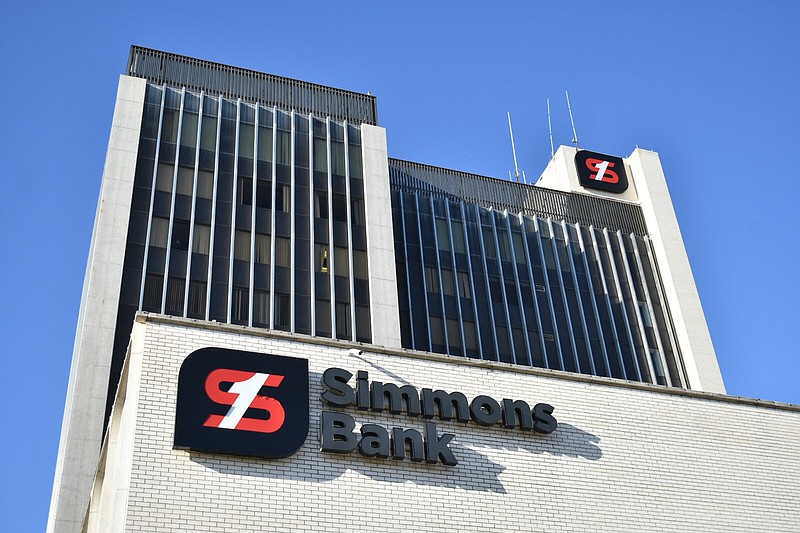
[[253, 221]]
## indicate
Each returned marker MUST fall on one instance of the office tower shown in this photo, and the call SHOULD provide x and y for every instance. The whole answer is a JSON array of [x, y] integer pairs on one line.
[[243, 213]]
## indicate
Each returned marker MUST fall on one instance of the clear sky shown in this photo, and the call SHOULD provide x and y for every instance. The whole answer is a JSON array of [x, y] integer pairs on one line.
[[712, 86]]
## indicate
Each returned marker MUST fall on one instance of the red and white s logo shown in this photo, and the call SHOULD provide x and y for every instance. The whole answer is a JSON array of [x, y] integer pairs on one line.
[[242, 403], [602, 170], [242, 395]]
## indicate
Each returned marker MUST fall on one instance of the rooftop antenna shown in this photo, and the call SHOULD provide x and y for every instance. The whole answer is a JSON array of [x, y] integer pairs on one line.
[[550, 127], [572, 121], [513, 149]]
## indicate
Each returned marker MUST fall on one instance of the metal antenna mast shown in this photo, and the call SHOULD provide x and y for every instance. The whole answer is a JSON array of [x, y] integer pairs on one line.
[[513, 148], [550, 127], [572, 121]]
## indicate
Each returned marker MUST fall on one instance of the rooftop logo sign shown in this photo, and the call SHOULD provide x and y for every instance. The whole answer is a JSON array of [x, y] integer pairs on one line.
[[601, 172]]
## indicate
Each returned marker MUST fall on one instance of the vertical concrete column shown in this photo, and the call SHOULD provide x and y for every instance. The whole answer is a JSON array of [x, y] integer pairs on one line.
[[82, 426], [380, 239], [680, 290]]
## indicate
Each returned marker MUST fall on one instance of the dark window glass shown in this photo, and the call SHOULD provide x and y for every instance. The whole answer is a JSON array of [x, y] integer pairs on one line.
[[174, 303], [197, 300], [153, 290], [180, 235], [343, 319]]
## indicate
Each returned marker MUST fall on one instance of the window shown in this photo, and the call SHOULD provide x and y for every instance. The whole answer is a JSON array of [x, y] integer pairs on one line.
[[239, 304], [241, 246], [464, 286], [343, 324], [283, 198], [357, 211], [321, 255], [432, 280], [458, 237], [360, 264], [442, 234], [283, 252], [448, 287], [263, 194], [197, 299], [159, 232], [185, 181], [282, 311], [244, 192], [180, 235], [260, 308], [153, 288], [201, 239], [164, 177], [205, 184], [262, 249], [341, 262], [320, 204], [174, 303]]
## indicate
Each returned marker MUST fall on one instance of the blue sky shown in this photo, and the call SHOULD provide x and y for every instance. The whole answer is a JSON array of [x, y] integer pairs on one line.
[[711, 86]]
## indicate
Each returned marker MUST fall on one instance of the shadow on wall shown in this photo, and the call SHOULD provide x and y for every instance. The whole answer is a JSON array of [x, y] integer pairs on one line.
[[474, 471]]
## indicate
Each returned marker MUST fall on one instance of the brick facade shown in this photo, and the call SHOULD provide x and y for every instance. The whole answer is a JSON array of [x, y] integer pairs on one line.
[[625, 457]]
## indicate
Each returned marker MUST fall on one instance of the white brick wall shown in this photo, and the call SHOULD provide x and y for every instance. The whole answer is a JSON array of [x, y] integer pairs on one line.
[[624, 458]]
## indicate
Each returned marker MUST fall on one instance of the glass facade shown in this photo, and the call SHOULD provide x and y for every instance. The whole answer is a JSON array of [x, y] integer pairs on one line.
[[528, 290], [246, 214]]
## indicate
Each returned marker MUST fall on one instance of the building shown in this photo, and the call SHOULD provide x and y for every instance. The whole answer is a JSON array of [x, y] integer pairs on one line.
[[489, 355]]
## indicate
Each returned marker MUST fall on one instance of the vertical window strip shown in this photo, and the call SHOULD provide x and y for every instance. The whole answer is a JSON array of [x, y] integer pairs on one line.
[[615, 272], [579, 299], [486, 280], [676, 350], [455, 279], [213, 207], [521, 304], [152, 197], [408, 276], [611, 318], [253, 209], [235, 182], [424, 277], [634, 302], [439, 274], [570, 332], [311, 225], [293, 240], [274, 215], [593, 300], [189, 252], [549, 292], [643, 278], [172, 202], [529, 262], [499, 261], [351, 270], [471, 279], [331, 248]]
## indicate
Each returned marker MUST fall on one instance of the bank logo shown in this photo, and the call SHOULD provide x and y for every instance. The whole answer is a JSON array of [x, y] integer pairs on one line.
[[242, 403], [601, 172]]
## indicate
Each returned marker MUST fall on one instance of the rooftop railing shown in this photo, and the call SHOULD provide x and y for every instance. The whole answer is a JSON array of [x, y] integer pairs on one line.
[[250, 85], [516, 197]]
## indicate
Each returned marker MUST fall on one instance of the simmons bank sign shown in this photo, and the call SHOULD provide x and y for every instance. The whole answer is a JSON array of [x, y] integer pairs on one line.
[[253, 404]]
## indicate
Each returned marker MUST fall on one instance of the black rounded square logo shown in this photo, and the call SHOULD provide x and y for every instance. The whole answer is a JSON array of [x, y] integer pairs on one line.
[[242, 403], [601, 172]]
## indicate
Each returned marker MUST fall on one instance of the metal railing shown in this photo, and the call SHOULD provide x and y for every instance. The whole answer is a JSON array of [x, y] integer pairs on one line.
[[250, 85], [516, 197]]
